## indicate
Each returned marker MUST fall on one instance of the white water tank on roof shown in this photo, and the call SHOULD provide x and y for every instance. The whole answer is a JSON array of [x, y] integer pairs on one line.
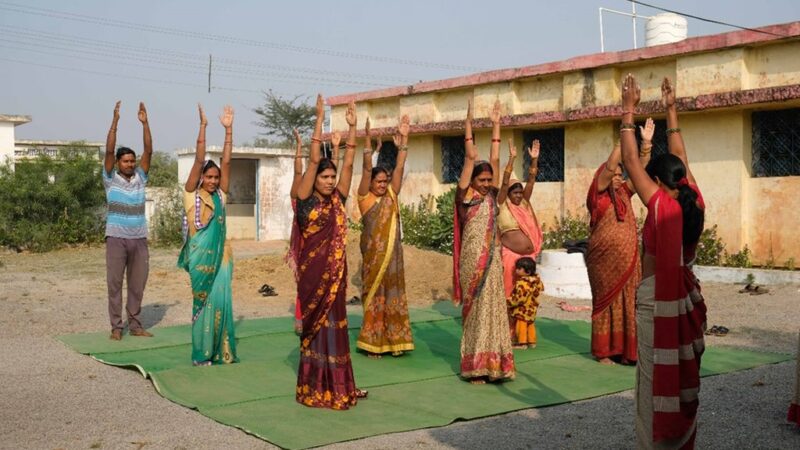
[[665, 28]]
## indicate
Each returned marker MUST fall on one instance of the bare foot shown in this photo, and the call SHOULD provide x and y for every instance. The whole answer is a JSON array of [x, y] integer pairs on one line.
[[519, 347], [531, 345], [606, 361], [373, 356], [396, 354], [477, 380]]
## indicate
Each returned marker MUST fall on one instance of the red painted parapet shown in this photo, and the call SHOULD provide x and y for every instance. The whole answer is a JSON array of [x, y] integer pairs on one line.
[[691, 45]]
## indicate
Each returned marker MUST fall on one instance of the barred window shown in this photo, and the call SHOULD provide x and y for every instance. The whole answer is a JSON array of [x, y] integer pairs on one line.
[[452, 158], [660, 146], [551, 155], [776, 143], [387, 157]]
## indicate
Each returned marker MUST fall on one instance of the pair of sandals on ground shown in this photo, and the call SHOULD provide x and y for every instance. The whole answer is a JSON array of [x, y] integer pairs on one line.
[[267, 291], [753, 289]]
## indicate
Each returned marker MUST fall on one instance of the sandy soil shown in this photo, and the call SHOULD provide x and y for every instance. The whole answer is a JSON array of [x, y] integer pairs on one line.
[[55, 398]]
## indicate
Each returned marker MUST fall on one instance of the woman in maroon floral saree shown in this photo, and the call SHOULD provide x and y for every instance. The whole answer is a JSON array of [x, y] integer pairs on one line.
[[325, 376]]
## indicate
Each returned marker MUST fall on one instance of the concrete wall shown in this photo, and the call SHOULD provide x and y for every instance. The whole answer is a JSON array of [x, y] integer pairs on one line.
[[270, 216], [719, 81], [6, 142]]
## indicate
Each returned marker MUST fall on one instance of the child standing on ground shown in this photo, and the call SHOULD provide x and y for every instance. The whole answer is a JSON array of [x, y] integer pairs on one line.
[[524, 302]]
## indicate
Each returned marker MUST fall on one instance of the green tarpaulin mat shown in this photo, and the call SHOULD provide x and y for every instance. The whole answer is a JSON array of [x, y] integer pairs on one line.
[[419, 390]]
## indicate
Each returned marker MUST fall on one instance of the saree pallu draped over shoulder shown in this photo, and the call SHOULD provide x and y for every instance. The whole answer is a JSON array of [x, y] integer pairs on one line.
[[325, 376], [486, 342], [207, 259], [386, 326], [794, 407], [614, 269]]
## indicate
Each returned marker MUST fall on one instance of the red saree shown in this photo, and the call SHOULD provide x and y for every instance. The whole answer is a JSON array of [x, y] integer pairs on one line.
[[614, 269], [325, 377], [679, 320], [291, 260], [794, 407]]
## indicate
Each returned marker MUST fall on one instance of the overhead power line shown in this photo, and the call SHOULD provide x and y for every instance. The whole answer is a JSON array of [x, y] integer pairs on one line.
[[718, 22], [200, 68], [79, 41], [46, 12]]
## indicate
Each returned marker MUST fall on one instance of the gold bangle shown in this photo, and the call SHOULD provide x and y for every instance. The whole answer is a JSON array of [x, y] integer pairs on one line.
[[644, 153], [404, 148], [113, 129], [626, 129]]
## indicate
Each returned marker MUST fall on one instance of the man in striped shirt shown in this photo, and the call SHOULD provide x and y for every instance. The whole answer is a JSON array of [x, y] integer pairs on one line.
[[126, 227]]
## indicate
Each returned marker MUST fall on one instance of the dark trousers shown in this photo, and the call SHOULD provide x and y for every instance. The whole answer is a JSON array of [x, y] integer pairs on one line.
[[126, 257]]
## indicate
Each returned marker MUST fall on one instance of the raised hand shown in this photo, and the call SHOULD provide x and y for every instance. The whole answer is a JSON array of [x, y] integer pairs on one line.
[[379, 143], [226, 119], [367, 128], [116, 110], [512, 149], [469, 111], [630, 93], [350, 114], [533, 150], [203, 120], [320, 106], [297, 138], [336, 139], [495, 113], [667, 93], [142, 113], [648, 130], [401, 137]]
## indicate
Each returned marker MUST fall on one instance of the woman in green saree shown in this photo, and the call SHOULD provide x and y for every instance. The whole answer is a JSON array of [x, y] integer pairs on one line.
[[206, 255]]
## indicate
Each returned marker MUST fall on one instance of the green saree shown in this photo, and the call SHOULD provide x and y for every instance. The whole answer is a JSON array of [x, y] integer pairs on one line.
[[208, 261]]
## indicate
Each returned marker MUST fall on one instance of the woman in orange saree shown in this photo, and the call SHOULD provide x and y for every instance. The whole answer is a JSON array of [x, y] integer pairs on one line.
[[325, 376], [486, 352], [612, 260], [386, 326]]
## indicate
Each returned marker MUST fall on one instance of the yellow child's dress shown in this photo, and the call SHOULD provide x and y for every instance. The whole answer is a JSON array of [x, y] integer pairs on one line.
[[522, 307]]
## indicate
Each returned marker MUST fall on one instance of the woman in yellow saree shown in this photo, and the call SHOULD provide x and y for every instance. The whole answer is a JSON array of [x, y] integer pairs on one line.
[[386, 326]]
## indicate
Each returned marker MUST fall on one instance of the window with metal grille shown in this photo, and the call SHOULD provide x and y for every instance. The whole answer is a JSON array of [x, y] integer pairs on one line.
[[776, 143], [387, 157], [452, 158], [660, 146], [551, 154]]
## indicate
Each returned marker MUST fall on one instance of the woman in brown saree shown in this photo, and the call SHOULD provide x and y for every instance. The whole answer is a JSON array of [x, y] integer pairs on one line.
[[386, 327], [486, 352], [612, 259], [325, 377]]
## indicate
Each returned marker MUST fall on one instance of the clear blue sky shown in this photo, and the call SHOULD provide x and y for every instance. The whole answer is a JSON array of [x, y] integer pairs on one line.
[[166, 66]]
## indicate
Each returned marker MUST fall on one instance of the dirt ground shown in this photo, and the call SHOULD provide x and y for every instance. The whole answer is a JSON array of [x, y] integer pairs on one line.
[[55, 398]]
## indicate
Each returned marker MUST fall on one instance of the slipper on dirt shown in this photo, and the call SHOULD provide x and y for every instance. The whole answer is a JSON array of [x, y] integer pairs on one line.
[[759, 290], [749, 288], [263, 288], [712, 331], [269, 294], [354, 301], [722, 331]]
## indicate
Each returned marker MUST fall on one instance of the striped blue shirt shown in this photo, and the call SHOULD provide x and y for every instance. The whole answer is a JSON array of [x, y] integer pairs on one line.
[[125, 218]]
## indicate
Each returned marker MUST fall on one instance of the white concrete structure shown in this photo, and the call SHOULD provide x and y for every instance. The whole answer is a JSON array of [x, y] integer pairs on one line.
[[7, 125], [564, 274], [258, 203]]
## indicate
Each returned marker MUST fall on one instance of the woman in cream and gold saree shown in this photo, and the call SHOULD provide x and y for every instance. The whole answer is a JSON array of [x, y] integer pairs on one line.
[[486, 352], [206, 255], [386, 326]]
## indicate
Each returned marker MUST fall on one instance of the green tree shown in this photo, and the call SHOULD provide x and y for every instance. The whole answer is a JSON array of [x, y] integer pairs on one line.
[[47, 202], [279, 117], [163, 170]]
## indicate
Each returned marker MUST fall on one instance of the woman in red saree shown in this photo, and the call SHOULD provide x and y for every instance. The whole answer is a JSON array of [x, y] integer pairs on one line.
[[794, 407], [670, 311], [486, 352], [520, 233], [386, 326], [612, 259], [325, 377]]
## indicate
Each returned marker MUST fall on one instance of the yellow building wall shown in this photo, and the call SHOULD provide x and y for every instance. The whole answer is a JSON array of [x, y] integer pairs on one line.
[[758, 212]]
